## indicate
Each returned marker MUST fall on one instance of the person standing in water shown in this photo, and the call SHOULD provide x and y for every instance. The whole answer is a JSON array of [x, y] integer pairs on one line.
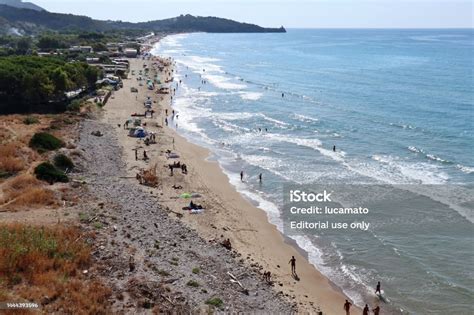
[[260, 178], [377, 289], [347, 307], [241, 176], [293, 265], [334, 148]]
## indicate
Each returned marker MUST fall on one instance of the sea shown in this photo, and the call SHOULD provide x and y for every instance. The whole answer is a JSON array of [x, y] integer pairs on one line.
[[398, 107]]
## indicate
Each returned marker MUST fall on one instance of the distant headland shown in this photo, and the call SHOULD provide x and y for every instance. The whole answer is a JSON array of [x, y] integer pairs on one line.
[[31, 21]]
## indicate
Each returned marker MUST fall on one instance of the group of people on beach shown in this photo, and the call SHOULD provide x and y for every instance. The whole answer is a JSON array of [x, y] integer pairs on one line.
[[267, 276], [366, 310]]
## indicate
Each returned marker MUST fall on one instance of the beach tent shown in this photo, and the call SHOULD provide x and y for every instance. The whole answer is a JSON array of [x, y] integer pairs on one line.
[[137, 132], [140, 133]]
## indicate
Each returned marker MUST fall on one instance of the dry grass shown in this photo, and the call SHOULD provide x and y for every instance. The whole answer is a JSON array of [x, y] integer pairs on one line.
[[44, 265], [10, 158], [36, 197], [26, 191]]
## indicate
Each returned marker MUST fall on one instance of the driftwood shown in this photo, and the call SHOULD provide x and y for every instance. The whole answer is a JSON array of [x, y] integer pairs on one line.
[[167, 299], [234, 280]]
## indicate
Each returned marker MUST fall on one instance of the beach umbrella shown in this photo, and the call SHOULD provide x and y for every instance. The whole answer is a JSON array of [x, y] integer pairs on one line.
[[185, 195]]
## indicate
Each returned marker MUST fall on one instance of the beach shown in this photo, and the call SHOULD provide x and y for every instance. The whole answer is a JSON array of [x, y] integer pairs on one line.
[[226, 213]]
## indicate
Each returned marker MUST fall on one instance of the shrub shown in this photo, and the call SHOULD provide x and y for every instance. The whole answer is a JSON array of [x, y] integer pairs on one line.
[[74, 106], [44, 141], [215, 302], [63, 162], [49, 173], [192, 283], [29, 120], [196, 270]]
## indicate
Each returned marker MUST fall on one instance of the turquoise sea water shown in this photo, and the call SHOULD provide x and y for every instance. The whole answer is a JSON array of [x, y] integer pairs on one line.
[[398, 106]]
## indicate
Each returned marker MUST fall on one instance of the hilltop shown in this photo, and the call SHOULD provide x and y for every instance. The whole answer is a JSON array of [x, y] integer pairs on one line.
[[28, 21], [22, 5]]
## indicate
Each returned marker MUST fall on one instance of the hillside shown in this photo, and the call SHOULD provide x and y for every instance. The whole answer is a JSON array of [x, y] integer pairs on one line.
[[22, 5], [24, 19]]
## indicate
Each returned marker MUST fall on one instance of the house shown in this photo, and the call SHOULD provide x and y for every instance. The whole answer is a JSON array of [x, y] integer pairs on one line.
[[92, 60], [130, 53], [83, 49]]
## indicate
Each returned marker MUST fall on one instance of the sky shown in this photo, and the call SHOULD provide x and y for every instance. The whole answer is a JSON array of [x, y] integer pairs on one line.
[[289, 13]]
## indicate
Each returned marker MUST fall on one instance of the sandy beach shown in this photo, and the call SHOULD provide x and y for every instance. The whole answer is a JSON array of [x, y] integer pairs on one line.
[[227, 214]]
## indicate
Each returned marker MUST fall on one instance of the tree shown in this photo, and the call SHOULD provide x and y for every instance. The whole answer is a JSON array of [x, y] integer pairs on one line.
[[23, 45], [49, 42], [60, 79]]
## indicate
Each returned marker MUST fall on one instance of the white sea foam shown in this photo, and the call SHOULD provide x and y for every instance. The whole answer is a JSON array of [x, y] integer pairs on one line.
[[465, 169], [411, 173], [304, 118], [250, 96], [223, 82]]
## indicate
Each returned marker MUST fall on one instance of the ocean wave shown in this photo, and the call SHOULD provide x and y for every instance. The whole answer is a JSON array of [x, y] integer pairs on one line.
[[198, 64], [411, 173], [428, 155], [304, 118], [273, 120], [403, 126], [250, 96], [228, 126], [465, 169], [223, 82]]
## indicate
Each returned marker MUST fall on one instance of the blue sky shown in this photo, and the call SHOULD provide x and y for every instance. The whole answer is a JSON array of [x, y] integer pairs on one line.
[[290, 13]]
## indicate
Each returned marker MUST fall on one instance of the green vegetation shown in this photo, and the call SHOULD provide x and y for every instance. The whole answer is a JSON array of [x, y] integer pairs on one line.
[[192, 283], [215, 302], [49, 173], [44, 141], [196, 270], [182, 23], [163, 273], [29, 120], [63, 162], [28, 82], [98, 225], [83, 217]]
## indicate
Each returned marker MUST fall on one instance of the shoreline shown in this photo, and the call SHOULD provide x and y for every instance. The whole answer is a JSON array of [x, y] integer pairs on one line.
[[258, 241]]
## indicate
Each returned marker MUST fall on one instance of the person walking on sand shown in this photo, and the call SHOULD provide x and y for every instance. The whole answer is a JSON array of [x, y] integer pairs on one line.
[[376, 310], [347, 307], [366, 310], [293, 265], [377, 289], [241, 176]]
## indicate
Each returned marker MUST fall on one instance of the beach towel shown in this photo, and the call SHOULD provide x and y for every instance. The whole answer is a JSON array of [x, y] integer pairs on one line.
[[173, 155]]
